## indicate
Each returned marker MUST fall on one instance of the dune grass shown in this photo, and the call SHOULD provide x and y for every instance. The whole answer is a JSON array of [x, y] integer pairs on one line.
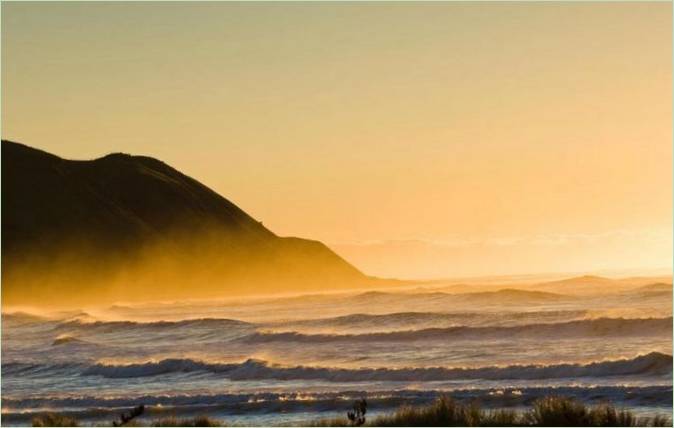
[[54, 420], [199, 421], [445, 411], [549, 411], [555, 411]]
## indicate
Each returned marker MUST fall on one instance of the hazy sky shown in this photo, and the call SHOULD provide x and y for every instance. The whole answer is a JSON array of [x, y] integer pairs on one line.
[[417, 139]]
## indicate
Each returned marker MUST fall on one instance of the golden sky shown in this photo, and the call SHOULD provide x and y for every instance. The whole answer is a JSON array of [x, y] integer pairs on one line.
[[417, 139]]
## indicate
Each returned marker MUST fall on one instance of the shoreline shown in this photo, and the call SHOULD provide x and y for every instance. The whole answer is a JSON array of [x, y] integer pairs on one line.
[[514, 407]]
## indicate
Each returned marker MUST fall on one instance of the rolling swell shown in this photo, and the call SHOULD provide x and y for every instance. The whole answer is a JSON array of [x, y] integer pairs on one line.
[[156, 325], [402, 319], [600, 327], [653, 364]]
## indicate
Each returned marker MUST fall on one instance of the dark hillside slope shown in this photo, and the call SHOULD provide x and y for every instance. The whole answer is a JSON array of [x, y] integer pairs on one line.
[[78, 217], [115, 199]]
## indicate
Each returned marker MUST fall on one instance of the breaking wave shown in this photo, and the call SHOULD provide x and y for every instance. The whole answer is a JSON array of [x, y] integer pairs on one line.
[[21, 411], [653, 364], [64, 339], [600, 327], [651, 395]]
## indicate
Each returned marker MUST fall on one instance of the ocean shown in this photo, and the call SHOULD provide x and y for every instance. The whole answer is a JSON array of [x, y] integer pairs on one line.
[[295, 359]]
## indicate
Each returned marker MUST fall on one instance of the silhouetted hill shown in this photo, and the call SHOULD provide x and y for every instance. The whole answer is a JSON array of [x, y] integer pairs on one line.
[[62, 215], [119, 198]]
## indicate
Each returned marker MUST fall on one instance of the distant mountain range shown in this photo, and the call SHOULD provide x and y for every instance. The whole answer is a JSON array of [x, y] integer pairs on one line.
[[125, 227]]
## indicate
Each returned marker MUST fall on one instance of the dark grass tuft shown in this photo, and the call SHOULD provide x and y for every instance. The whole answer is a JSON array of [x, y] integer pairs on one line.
[[199, 421], [563, 411], [54, 420]]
